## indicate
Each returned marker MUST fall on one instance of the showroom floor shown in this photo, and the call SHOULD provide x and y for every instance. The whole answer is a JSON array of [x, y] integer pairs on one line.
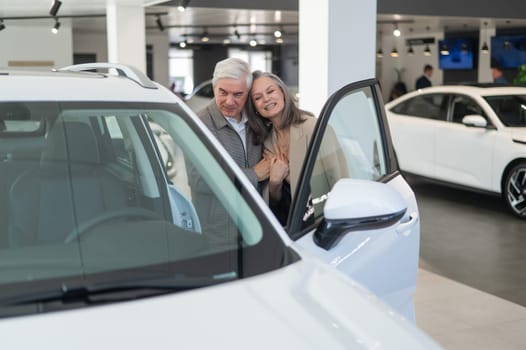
[[459, 317], [471, 291]]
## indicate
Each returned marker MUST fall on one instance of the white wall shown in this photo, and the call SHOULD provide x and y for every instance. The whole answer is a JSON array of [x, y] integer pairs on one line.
[[33, 41], [91, 43], [484, 73], [95, 42], [161, 50], [410, 67]]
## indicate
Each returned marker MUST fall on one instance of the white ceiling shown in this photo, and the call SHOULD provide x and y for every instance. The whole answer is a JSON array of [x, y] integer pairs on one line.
[[199, 19]]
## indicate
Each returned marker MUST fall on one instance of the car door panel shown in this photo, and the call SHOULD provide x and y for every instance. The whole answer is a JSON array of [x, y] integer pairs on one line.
[[414, 150], [461, 151], [383, 259]]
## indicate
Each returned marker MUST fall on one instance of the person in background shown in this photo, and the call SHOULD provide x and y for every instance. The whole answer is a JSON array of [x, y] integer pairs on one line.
[[424, 81], [498, 76]]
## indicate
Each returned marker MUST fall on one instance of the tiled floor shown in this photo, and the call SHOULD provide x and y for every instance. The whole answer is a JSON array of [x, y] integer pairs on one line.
[[460, 317]]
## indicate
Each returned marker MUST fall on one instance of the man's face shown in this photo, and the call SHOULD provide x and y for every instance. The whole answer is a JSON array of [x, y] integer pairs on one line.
[[230, 96]]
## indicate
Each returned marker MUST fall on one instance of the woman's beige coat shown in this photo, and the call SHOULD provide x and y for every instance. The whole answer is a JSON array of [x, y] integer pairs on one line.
[[300, 136]]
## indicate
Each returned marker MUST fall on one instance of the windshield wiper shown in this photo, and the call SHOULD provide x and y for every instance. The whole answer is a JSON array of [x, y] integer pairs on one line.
[[112, 292]]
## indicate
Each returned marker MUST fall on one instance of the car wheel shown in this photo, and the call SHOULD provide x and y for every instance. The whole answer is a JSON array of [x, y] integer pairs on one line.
[[515, 190]]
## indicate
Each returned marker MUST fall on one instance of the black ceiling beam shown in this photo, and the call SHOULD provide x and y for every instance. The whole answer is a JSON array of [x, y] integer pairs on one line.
[[234, 25], [94, 15]]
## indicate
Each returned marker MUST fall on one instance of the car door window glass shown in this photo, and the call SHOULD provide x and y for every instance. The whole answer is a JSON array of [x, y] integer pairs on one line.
[[429, 106], [462, 106], [352, 146], [511, 109]]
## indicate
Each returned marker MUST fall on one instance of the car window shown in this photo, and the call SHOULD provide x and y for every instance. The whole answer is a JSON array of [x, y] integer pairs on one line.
[[16, 118], [352, 145], [462, 106], [205, 90], [109, 190], [511, 109], [429, 106]]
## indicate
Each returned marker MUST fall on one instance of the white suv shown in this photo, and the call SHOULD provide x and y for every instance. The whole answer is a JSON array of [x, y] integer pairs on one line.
[[100, 175]]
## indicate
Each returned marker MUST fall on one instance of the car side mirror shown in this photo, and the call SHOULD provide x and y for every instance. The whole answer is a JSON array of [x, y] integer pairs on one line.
[[475, 120], [355, 205]]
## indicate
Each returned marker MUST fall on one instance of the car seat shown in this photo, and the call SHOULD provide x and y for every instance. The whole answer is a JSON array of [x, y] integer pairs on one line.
[[69, 187]]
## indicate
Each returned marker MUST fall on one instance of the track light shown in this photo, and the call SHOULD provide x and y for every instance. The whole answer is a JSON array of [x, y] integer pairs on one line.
[[159, 23], [396, 31], [427, 51], [444, 50], [236, 33], [55, 28], [204, 36], [182, 44], [278, 33], [54, 8], [2, 25], [253, 42], [183, 4], [485, 48]]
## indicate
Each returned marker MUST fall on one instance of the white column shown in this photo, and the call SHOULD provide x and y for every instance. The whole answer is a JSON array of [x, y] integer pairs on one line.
[[337, 40], [126, 35], [485, 34]]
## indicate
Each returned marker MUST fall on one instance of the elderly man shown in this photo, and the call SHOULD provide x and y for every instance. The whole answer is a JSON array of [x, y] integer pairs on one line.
[[226, 118]]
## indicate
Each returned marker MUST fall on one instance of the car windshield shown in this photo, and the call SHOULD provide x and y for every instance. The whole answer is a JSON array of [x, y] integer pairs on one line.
[[96, 193], [511, 109]]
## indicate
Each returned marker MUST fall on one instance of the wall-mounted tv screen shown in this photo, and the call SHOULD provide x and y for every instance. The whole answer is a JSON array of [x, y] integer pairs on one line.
[[459, 56], [508, 51]]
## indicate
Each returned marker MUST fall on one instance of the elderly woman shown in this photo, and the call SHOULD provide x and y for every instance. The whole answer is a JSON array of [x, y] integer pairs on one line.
[[285, 131]]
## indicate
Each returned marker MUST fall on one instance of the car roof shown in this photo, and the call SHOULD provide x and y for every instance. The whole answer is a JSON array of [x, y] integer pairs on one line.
[[478, 89], [72, 85], [469, 89]]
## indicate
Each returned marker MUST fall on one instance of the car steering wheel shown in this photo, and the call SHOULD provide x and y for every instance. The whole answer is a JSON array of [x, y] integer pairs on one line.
[[130, 213]]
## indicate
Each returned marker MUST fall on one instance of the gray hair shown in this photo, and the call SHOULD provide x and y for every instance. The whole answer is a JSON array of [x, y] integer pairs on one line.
[[232, 68]]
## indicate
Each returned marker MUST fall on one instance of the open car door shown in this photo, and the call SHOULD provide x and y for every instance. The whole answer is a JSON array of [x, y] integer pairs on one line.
[[352, 207]]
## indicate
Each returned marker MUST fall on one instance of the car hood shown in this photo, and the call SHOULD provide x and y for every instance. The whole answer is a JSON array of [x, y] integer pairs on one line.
[[303, 306]]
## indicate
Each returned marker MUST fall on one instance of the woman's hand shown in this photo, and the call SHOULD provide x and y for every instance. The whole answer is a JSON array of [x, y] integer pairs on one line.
[[279, 171]]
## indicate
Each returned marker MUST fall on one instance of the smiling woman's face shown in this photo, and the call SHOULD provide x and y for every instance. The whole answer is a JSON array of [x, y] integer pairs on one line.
[[267, 97]]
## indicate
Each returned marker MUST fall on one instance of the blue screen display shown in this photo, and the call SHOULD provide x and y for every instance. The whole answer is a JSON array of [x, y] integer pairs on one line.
[[460, 54], [508, 51]]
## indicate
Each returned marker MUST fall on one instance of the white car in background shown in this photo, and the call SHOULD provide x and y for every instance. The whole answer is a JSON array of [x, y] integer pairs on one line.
[[103, 242], [469, 136], [200, 96]]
